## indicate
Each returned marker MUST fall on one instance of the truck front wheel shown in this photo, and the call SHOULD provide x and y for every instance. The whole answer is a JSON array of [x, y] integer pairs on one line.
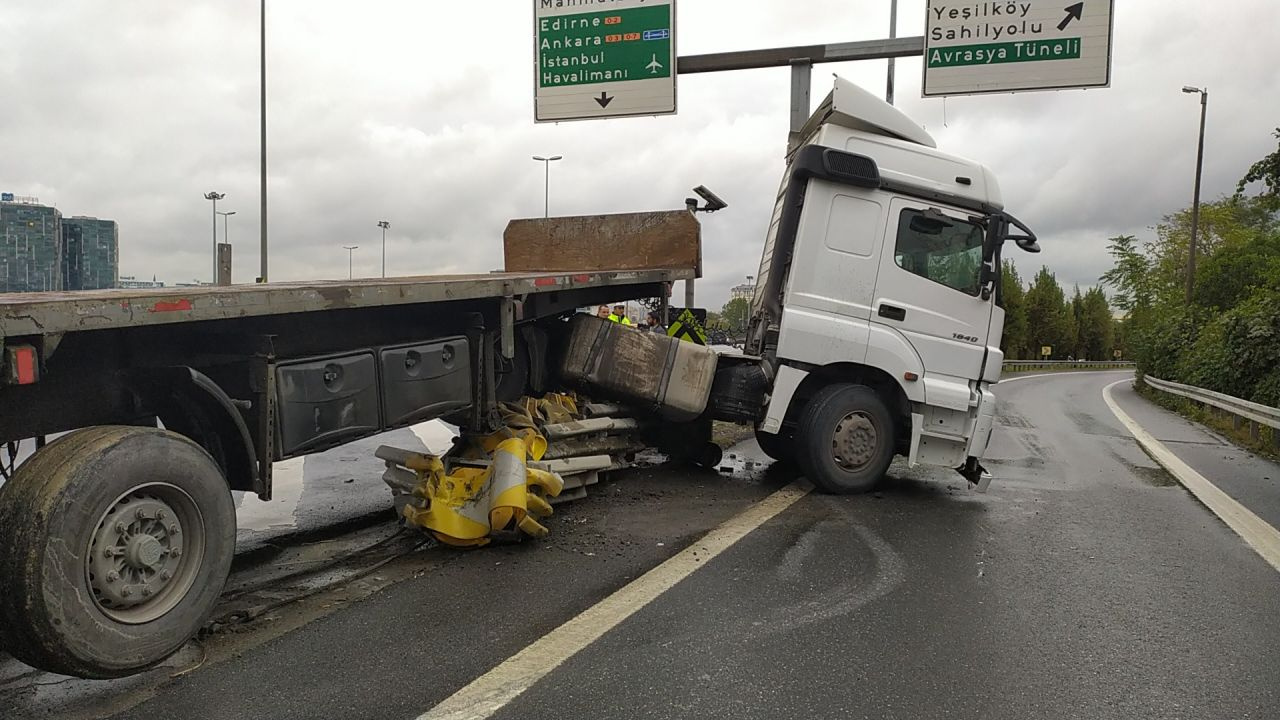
[[116, 544], [845, 443]]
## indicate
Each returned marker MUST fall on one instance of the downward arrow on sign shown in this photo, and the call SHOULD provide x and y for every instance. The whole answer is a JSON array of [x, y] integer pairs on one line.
[[1074, 12], [604, 100]]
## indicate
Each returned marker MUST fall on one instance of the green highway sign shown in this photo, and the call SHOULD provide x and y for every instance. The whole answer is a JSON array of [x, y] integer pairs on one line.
[[603, 58], [985, 46]]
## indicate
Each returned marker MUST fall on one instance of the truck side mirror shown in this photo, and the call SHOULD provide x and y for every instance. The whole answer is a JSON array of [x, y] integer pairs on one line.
[[1027, 240], [998, 234]]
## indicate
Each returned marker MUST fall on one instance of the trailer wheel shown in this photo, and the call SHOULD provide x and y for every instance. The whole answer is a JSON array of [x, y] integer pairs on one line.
[[845, 439], [780, 447], [116, 544]]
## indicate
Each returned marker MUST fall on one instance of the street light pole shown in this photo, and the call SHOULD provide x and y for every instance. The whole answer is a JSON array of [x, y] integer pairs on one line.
[[263, 105], [215, 197], [226, 236], [893, 33], [226, 239], [384, 225], [1195, 206], [546, 199], [350, 251]]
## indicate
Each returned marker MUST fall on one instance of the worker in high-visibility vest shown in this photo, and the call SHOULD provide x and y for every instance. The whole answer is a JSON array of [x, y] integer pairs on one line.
[[619, 315]]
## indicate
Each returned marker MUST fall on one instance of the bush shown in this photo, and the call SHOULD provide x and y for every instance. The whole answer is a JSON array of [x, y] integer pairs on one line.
[[1160, 343], [1251, 339], [1202, 363]]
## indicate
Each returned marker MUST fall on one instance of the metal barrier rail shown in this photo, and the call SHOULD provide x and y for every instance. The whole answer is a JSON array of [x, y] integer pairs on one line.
[[1025, 365], [1240, 410]]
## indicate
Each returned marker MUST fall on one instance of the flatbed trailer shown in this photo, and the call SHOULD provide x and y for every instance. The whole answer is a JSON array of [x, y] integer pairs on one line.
[[106, 356], [116, 538]]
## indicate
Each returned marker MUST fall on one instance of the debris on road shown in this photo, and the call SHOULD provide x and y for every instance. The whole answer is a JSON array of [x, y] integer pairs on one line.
[[501, 484]]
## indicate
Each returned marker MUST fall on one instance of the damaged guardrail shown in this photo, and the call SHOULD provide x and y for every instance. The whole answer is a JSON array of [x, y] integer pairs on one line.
[[501, 485]]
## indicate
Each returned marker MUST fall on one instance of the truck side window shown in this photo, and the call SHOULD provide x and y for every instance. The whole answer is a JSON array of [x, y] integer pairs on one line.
[[939, 248]]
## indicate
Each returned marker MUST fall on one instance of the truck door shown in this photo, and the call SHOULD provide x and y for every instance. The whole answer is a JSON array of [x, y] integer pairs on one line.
[[928, 289]]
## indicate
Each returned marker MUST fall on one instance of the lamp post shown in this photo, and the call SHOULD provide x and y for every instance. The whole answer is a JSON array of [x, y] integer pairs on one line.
[[215, 197], [226, 239], [263, 116], [226, 236], [1195, 206], [546, 195], [384, 225], [893, 33], [350, 252]]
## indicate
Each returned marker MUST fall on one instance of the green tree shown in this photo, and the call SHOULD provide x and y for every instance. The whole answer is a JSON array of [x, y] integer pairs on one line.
[[1013, 298], [1047, 315], [736, 313], [1097, 326], [1267, 172], [1075, 322], [1130, 276], [1247, 258]]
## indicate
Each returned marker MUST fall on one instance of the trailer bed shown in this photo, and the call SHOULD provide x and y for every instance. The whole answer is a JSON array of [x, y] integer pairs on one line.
[[60, 312]]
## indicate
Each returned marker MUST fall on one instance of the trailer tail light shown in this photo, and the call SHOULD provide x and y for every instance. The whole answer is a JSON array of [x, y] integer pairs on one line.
[[22, 365]]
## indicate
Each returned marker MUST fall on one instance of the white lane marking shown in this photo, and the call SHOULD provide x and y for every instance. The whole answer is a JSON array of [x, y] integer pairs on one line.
[[286, 491], [492, 691], [1063, 373], [1261, 536]]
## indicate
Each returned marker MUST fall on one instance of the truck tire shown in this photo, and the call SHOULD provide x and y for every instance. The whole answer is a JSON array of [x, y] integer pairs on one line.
[[845, 439], [115, 543], [778, 446]]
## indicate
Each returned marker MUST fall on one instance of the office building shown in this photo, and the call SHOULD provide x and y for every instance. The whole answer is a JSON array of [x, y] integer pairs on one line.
[[90, 253], [30, 246]]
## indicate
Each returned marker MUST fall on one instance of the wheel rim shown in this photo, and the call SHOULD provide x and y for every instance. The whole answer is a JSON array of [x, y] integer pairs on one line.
[[853, 444], [145, 553]]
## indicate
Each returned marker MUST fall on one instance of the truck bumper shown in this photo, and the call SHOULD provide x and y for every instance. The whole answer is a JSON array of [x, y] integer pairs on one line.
[[955, 439], [979, 440], [983, 421]]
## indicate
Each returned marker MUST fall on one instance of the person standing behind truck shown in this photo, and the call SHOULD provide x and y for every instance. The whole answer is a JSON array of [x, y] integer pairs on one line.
[[603, 312], [652, 324], [619, 315]]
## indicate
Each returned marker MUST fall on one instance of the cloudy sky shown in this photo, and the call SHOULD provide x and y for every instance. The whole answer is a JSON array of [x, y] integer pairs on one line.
[[420, 113]]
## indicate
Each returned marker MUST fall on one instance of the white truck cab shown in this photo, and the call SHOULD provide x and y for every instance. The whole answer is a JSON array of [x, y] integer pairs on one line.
[[876, 317]]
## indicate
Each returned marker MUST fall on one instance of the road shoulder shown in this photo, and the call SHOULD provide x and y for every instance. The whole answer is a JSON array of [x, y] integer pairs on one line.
[[1240, 488]]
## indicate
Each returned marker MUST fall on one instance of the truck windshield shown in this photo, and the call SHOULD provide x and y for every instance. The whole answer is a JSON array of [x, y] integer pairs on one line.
[[940, 248]]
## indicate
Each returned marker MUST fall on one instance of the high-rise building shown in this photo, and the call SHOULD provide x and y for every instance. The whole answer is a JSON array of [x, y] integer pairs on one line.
[[30, 246], [742, 292], [90, 253]]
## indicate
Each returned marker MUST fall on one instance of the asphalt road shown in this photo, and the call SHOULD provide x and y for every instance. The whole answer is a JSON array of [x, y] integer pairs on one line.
[[1084, 584]]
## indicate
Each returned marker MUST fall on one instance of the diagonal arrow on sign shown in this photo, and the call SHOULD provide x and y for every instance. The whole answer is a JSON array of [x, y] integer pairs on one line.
[[604, 99], [1074, 12]]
